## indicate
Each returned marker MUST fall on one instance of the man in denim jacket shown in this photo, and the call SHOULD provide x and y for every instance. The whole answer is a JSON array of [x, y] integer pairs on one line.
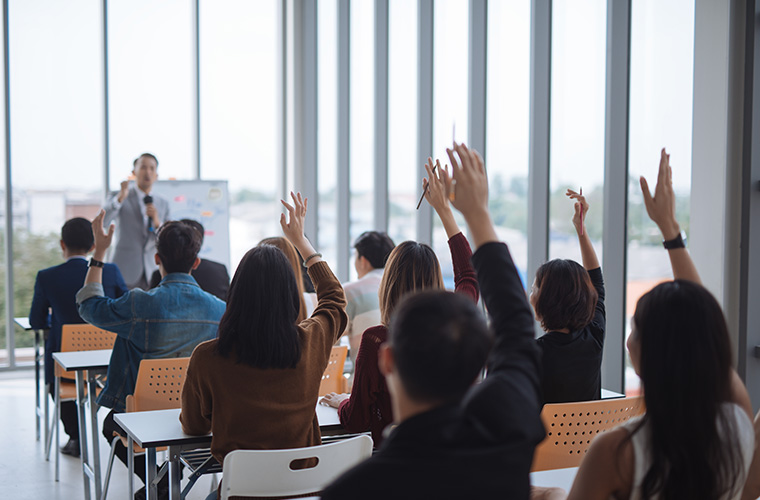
[[167, 321]]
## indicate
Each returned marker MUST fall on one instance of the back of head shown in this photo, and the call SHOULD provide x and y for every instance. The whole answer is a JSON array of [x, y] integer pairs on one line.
[[177, 245], [375, 247], [566, 297], [685, 369], [197, 226], [291, 253], [440, 344], [259, 324], [411, 267], [77, 235]]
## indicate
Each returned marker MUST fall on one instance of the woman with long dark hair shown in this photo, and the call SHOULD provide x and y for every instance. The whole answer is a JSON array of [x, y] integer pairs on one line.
[[256, 385], [306, 303], [411, 267], [696, 439]]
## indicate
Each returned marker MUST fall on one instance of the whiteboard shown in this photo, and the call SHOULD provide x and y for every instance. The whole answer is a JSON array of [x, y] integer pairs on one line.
[[207, 202]]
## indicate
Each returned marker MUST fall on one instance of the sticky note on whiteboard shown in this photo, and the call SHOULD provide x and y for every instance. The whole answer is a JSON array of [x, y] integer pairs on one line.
[[207, 213]]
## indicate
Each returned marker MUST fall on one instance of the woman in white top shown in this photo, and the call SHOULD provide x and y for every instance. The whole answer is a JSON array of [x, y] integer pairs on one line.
[[696, 439]]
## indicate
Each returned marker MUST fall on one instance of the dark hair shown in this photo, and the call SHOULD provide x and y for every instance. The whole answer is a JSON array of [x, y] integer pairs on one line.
[[259, 325], [177, 245], [411, 267], [375, 247], [145, 155], [440, 343], [291, 253], [565, 295], [197, 226], [685, 368], [77, 235]]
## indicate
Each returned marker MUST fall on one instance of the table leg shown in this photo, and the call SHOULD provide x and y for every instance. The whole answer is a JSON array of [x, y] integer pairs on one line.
[[174, 473], [92, 385], [131, 465], [150, 474], [37, 407], [81, 389]]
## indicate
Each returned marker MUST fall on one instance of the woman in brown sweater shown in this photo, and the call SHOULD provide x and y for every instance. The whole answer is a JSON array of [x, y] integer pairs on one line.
[[256, 385]]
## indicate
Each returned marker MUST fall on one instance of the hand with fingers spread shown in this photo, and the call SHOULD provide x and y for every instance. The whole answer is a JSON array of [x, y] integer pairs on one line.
[[581, 210], [436, 187], [662, 206], [469, 192], [293, 229], [102, 239]]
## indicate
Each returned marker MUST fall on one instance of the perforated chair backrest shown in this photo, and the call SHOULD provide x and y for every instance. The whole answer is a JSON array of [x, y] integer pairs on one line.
[[159, 384], [332, 379], [570, 428], [83, 337], [268, 473]]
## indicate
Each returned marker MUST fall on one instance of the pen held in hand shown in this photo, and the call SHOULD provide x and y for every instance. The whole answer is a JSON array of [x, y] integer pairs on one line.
[[424, 191], [581, 193]]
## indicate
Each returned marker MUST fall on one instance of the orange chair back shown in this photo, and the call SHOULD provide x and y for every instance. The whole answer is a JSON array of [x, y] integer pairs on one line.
[[570, 428], [332, 379], [159, 384], [82, 337]]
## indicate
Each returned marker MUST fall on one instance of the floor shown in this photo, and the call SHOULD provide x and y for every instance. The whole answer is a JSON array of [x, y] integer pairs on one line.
[[24, 473]]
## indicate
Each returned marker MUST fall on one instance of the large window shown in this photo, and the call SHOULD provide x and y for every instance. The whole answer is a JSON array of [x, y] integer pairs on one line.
[[239, 114], [56, 87], [579, 41], [662, 67], [151, 79], [507, 125]]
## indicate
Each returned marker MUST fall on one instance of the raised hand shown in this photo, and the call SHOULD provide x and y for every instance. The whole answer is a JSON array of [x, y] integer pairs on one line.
[[581, 210], [102, 239], [293, 229], [662, 206], [123, 191], [436, 186]]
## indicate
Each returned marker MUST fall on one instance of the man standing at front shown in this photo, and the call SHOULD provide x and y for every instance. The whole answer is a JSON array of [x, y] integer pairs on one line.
[[138, 215]]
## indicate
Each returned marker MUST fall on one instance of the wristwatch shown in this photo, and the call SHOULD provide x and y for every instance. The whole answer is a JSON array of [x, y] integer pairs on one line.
[[96, 263], [677, 242]]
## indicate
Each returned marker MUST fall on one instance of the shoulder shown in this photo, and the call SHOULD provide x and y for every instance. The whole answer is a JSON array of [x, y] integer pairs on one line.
[[205, 349], [375, 335], [607, 468], [369, 479]]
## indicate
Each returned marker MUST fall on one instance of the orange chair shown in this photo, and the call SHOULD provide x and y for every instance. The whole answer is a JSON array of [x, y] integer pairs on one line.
[[74, 337], [158, 387], [570, 428], [332, 379]]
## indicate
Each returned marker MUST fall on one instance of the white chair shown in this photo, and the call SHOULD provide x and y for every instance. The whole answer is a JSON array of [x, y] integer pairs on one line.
[[267, 473]]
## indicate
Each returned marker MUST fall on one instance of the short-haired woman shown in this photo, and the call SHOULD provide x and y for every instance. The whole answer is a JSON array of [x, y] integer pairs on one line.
[[411, 267]]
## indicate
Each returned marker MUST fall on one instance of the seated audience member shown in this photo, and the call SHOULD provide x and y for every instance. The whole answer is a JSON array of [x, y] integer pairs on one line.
[[411, 267], [308, 300], [168, 321], [457, 439], [54, 305], [569, 302], [362, 307], [211, 276], [696, 438], [256, 385]]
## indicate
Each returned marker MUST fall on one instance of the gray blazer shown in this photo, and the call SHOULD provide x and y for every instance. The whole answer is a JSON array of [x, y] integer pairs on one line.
[[135, 245]]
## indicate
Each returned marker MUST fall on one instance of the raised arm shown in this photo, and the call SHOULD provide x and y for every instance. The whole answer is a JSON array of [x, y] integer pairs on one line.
[[662, 210], [590, 260]]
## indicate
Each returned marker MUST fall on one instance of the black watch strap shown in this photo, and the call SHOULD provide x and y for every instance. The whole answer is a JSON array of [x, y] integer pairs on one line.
[[676, 242], [96, 263]]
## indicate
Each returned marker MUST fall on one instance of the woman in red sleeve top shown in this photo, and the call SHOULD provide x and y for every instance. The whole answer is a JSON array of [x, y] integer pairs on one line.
[[411, 267]]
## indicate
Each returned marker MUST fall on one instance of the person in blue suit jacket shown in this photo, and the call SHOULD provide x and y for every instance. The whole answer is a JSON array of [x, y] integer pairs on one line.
[[54, 305]]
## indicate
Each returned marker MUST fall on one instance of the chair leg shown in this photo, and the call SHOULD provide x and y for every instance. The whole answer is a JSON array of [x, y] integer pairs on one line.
[[57, 428], [47, 419], [111, 455]]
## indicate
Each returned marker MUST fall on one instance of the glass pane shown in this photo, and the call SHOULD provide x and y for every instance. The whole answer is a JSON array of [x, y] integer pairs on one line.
[[662, 68], [327, 65], [239, 114], [57, 143], [151, 77], [362, 154], [403, 185], [450, 100], [579, 34], [508, 123]]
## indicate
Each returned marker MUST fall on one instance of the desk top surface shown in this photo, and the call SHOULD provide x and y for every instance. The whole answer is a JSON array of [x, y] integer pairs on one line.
[[151, 429], [557, 478], [83, 360], [23, 322]]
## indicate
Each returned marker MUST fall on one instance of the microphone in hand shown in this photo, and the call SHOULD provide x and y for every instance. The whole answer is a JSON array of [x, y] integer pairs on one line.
[[148, 199]]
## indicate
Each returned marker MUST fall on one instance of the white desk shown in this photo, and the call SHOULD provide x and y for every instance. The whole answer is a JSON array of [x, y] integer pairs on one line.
[[557, 478], [608, 394], [154, 429], [94, 363]]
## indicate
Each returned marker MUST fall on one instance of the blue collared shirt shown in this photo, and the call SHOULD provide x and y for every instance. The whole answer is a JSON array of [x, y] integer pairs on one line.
[[167, 321]]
